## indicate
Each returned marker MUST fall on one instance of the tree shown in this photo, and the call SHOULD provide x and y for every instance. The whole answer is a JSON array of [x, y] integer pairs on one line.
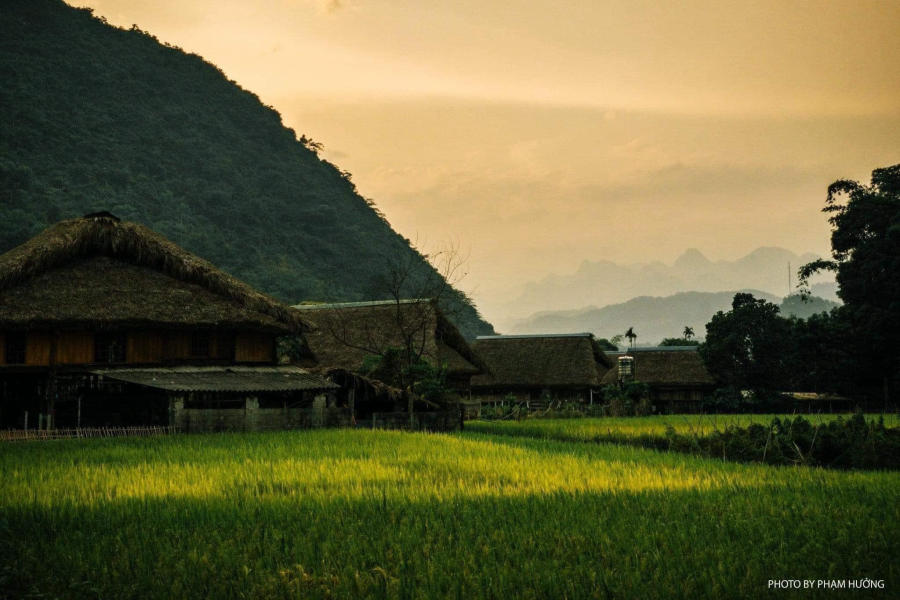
[[688, 332], [865, 256], [631, 335], [398, 332], [607, 345], [749, 347], [679, 342]]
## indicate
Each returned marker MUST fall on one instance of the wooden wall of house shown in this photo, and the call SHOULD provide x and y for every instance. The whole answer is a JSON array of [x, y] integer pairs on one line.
[[73, 348], [177, 345], [254, 347], [145, 347], [38, 347]]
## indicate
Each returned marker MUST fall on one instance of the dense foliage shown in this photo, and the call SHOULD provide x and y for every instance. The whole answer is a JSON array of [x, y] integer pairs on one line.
[[821, 440], [94, 117], [745, 348], [853, 349], [865, 248], [375, 514]]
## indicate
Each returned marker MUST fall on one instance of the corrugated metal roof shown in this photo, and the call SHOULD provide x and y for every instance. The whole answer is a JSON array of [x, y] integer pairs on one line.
[[221, 379]]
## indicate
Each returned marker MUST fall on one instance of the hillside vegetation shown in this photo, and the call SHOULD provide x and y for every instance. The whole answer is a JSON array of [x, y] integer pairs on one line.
[[94, 117]]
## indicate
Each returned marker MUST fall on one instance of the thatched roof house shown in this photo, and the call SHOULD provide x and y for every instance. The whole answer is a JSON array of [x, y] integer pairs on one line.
[[568, 365], [98, 271], [95, 300], [677, 377], [346, 334]]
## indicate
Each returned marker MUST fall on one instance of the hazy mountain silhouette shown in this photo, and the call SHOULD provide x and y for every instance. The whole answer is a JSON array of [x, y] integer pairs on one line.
[[599, 283], [656, 318]]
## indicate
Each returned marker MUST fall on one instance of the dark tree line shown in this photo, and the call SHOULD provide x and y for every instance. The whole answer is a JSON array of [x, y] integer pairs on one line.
[[854, 349]]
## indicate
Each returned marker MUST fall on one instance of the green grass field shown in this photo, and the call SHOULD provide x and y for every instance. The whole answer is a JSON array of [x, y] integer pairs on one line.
[[612, 428], [345, 514]]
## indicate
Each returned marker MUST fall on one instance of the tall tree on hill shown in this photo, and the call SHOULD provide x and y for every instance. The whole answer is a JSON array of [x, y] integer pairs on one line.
[[865, 256], [688, 332]]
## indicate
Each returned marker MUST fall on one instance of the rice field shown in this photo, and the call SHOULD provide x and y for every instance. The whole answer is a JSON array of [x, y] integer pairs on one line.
[[381, 514], [616, 428]]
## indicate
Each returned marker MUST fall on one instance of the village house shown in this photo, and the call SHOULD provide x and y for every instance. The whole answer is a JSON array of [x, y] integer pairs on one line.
[[353, 336], [538, 369], [107, 323], [676, 376]]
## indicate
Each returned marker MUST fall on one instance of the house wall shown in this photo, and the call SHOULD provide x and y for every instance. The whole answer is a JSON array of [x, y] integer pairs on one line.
[[678, 399], [144, 347], [38, 349], [74, 348], [254, 347]]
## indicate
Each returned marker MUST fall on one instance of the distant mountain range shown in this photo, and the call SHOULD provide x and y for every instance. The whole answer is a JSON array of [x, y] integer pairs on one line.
[[655, 318], [600, 283]]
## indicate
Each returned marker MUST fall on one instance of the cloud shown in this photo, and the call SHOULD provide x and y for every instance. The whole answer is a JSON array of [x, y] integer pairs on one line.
[[330, 6]]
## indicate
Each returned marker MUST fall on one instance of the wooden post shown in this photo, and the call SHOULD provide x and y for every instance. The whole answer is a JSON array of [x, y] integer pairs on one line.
[[26, 420], [351, 402]]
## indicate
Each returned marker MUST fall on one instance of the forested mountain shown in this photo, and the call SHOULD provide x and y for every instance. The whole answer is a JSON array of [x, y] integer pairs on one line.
[[656, 318], [94, 117]]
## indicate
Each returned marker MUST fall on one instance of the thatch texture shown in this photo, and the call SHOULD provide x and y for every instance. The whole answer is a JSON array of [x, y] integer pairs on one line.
[[540, 361], [99, 271], [665, 367], [346, 334]]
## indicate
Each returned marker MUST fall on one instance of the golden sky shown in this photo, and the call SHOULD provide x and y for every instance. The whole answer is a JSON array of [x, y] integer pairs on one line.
[[539, 134]]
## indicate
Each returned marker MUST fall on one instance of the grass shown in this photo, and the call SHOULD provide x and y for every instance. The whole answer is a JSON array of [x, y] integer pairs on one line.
[[350, 513], [621, 428]]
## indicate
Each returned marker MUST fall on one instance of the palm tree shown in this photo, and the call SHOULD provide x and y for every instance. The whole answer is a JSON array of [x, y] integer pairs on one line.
[[631, 335], [688, 332]]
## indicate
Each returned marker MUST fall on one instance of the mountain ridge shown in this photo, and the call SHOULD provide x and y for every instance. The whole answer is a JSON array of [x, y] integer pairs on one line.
[[604, 282], [657, 317], [95, 117]]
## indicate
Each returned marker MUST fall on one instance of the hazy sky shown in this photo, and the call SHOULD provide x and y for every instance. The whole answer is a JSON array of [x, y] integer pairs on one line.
[[539, 134]]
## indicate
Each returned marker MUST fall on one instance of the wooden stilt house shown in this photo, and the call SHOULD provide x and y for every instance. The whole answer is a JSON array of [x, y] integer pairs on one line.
[[676, 375], [353, 335], [104, 322], [538, 369]]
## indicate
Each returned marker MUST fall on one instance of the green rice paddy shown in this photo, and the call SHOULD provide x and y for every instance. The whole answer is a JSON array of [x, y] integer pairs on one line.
[[358, 513], [619, 428]]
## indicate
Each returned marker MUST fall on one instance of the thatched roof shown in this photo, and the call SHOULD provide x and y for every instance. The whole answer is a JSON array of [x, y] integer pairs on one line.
[[345, 334], [545, 361], [664, 366], [100, 272]]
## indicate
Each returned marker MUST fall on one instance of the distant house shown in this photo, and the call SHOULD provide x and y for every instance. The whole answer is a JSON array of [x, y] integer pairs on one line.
[[346, 335], [108, 323], [677, 377], [536, 368]]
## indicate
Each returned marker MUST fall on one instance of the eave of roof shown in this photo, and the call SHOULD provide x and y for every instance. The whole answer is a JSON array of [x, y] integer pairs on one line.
[[221, 379]]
